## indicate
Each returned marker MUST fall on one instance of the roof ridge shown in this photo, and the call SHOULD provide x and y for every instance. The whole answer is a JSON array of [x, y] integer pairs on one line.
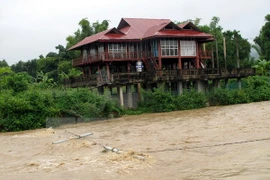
[[150, 18]]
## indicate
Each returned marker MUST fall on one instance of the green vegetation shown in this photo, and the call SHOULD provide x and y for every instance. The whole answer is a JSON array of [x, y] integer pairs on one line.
[[263, 40], [26, 103], [161, 101], [254, 89]]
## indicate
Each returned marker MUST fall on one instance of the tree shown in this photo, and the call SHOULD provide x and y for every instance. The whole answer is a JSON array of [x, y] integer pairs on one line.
[[262, 67], [86, 30], [3, 63], [18, 82], [30, 67], [232, 38], [263, 40]]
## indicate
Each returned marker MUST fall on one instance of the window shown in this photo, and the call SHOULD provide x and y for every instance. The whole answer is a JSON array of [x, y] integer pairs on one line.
[[169, 47], [92, 51], [84, 54], [117, 50], [117, 47], [188, 48], [101, 51], [134, 49]]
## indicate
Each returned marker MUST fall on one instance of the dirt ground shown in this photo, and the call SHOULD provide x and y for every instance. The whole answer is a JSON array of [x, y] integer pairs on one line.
[[231, 142]]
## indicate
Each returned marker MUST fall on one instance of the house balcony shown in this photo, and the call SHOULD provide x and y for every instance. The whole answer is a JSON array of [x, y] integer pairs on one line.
[[110, 56], [124, 56]]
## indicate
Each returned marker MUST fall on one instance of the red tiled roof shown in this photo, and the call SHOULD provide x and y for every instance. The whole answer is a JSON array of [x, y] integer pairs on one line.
[[90, 39], [183, 24], [139, 28]]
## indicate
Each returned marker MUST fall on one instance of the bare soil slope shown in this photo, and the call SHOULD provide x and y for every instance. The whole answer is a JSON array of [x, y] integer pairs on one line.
[[231, 142]]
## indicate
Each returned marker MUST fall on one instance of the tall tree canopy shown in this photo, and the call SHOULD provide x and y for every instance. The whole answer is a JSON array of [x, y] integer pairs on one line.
[[263, 40], [3, 63], [232, 38], [85, 30]]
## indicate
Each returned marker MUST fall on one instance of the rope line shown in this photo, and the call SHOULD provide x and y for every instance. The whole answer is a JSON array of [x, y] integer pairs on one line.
[[206, 146]]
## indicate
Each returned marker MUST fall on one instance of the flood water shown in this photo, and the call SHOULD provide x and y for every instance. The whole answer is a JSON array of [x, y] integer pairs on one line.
[[230, 142]]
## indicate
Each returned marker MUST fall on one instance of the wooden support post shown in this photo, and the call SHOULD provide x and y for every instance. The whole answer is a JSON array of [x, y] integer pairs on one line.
[[217, 53], [159, 55], [237, 52], [225, 52], [213, 63], [129, 96], [179, 65], [106, 50], [120, 95], [197, 56]]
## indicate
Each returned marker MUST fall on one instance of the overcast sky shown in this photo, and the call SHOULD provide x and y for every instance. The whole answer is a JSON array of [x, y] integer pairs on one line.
[[29, 28]]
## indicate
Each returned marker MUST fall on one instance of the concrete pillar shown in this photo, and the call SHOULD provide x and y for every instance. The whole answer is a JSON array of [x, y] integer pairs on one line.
[[239, 83], [226, 84], [179, 87], [200, 86], [120, 95], [217, 83], [129, 96]]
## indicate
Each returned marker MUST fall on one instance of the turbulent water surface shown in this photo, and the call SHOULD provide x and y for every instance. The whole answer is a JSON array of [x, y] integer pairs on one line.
[[231, 142]]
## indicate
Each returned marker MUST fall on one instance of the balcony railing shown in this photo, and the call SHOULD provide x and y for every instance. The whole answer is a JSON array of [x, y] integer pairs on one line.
[[137, 55], [134, 55]]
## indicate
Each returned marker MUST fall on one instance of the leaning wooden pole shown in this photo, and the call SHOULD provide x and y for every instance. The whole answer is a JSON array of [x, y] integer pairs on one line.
[[237, 52], [225, 52], [217, 53], [212, 58]]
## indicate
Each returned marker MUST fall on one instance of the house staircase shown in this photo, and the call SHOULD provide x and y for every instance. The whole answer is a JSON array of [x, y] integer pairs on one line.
[[150, 62]]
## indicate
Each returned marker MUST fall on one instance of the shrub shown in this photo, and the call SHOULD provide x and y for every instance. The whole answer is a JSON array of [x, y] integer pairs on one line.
[[258, 88], [27, 110], [190, 100], [220, 97], [157, 101], [162, 101]]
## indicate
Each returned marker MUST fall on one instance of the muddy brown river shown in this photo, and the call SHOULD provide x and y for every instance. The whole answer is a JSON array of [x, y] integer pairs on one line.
[[230, 142]]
